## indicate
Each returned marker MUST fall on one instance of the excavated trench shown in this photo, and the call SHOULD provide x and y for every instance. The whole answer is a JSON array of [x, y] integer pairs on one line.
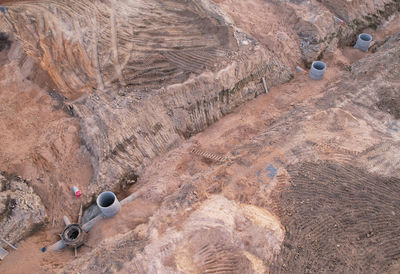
[[150, 81], [171, 87]]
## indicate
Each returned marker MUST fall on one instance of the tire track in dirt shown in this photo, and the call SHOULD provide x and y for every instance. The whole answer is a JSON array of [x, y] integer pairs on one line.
[[338, 218]]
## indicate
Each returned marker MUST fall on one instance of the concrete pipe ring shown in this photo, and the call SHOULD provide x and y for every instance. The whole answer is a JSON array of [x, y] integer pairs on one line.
[[363, 41], [317, 70], [108, 203]]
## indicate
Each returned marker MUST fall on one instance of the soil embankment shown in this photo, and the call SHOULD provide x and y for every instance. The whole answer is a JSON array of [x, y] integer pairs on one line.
[[87, 98]]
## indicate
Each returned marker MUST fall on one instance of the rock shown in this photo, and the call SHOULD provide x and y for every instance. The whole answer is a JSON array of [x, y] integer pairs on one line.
[[21, 210]]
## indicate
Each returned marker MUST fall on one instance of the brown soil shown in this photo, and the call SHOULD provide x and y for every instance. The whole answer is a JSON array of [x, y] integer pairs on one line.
[[222, 136], [338, 218], [39, 140], [162, 55], [267, 24], [5, 43], [390, 102], [246, 122], [389, 27]]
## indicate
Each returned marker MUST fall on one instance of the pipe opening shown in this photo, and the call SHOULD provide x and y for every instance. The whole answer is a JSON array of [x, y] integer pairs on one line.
[[319, 65], [108, 203], [73, 233], [365, 37], [106, 199]]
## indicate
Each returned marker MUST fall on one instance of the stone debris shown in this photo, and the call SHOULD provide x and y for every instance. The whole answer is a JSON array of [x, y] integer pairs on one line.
[[21, 209]]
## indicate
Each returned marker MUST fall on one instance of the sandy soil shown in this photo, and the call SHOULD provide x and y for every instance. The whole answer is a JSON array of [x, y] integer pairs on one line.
[[221, 137], [40, 141], [267, 25]]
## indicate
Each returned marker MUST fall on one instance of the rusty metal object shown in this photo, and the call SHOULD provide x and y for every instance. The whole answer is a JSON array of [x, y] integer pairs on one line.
[[74, 236]]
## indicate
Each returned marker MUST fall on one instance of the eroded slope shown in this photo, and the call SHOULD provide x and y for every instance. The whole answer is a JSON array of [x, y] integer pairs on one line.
[[143, 75], [325, 166]]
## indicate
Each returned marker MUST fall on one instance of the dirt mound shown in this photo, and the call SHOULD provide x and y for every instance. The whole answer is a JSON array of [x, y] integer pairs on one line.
[[142, 45], [39, 140], [21, 210]]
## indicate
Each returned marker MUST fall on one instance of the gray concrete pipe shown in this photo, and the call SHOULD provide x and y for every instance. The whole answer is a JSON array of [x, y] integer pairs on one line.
[[89, 225], [363, 41], [317, 70], [108, 203]]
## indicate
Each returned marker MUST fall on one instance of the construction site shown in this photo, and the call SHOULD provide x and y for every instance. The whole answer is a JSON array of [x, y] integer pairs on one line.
[[199, 136]]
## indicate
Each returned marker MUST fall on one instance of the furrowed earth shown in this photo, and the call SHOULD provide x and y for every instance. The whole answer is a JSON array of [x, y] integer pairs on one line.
[[240, 162]]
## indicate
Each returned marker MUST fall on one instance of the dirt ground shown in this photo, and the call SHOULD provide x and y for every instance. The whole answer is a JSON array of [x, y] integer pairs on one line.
[[229, 132], [267, 24], [339, 218], [41, 142]]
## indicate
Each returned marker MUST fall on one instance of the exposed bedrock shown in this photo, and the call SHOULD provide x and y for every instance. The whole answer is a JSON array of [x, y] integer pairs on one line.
[[144, 75]]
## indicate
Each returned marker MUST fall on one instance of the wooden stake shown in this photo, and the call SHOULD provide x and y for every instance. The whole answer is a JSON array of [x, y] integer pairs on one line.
[[66, 221], [265, 85], [80, 215]]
